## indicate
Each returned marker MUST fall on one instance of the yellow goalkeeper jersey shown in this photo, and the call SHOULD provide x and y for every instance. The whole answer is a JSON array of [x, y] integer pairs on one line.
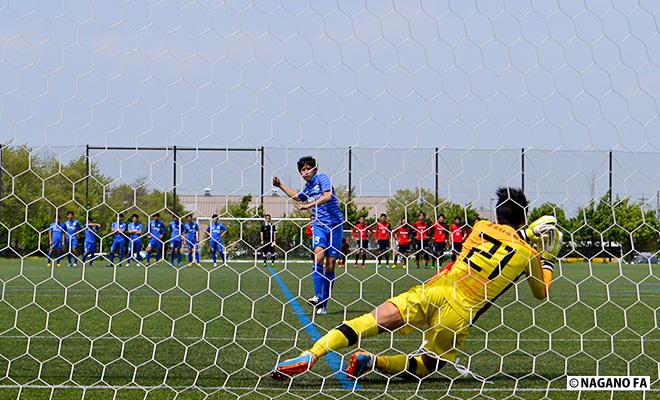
[[492, 259]]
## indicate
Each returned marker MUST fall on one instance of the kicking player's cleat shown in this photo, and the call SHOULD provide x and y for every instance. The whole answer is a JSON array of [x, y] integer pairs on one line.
[[361, 363], [314, 301], [293, 366]]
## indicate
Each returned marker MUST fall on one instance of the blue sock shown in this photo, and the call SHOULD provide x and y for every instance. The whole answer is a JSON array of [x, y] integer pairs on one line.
[[112, 257], [189, 256], [222, 255], [197, 257], [328, 283], [68, 257], [172, 257], [213, 256], [148, 257], [121, 256], [318, 279], [178, 257]]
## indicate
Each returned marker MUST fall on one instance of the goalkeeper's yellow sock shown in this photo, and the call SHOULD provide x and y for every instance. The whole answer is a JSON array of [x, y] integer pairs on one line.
[[398, 363], [345, 335]]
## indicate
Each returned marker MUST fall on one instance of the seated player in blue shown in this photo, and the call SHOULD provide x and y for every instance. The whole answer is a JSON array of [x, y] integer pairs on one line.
[[156, 229], [73, 228], [91, 237], [56, 233], [175, 239], [118, 230], [191, 232], [134, 231], [216, 231], [328, 227]]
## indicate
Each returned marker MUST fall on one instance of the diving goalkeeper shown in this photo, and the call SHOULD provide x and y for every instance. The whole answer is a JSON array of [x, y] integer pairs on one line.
[[493, 257]]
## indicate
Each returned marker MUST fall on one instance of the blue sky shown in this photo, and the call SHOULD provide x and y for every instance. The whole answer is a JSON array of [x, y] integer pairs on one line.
[[567, 80]]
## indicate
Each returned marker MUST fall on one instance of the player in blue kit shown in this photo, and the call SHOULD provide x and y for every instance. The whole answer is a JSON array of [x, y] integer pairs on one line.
[[328, 227], [73, 228], [191, 232], [56, 233], [156, 231], [118, 230], [175, 239], [91, 236], [216, 231], [134, 230]]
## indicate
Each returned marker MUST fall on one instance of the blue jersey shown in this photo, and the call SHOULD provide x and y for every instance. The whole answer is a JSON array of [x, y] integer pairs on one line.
[[91, 233], [121, 225], [72, 227], [134, 226], [57, 231], [328, 213], [190, 229], [157, 228], [215, 230], [175, 230]]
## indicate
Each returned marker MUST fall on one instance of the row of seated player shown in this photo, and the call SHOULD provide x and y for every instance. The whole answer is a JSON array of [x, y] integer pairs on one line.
[[127, 239]]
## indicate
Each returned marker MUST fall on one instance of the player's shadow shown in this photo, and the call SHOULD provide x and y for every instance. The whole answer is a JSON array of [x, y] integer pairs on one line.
[[437, 378]]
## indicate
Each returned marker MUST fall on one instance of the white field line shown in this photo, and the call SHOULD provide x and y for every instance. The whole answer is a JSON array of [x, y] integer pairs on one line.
[[266, 389], [279, 339]]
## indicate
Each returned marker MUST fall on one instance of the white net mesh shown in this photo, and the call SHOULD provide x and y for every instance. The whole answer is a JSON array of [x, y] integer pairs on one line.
[[192, 106]]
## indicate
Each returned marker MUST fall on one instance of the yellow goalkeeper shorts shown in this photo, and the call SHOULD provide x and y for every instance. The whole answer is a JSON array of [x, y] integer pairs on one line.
[[425, 307]]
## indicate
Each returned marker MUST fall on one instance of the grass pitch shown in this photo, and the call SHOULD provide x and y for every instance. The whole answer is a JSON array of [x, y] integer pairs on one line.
[[192, 333]]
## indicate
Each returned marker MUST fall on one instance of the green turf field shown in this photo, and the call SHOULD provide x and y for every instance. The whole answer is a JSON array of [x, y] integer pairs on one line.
[[70, 333]]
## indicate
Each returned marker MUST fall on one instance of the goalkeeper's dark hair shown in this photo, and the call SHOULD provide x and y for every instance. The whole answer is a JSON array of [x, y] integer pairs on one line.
[[308, 161], [214, 216], [511, 208]]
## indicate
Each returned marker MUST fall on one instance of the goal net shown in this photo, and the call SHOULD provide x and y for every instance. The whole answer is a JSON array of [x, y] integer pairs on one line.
[[134, 114]]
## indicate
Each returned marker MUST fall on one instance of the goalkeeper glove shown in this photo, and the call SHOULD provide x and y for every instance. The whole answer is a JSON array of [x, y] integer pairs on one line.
[[551, 242], [537, 228]]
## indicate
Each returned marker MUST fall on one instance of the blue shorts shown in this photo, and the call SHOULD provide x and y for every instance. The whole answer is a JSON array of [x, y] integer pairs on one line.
[[216, 246], [90, 247], [155, 243], [57, 245], [176, 243], [72, 242], [191, 245], [117, 247], [135, 245], [329, 238]]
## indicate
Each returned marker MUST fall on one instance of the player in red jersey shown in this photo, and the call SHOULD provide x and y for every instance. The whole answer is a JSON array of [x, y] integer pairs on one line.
[[310, 233], [421, 243], [403, 236], [383, 232], [345, 249], [440, 234], [361, 233], [457, 236]]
